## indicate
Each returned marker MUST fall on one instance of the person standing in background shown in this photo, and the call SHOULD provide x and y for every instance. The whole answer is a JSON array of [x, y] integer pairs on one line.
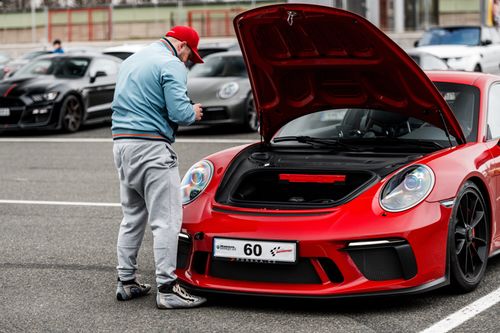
[[57, 47]]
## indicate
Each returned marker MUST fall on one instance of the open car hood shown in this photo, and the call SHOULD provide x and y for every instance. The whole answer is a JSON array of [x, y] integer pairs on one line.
[[306, 58]]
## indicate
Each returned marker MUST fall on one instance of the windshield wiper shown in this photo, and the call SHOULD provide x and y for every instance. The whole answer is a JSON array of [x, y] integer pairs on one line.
[[329, 142], [397, 142]]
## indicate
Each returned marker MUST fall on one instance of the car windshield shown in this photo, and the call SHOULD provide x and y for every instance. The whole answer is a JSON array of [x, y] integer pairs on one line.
[[63, 67], [377, 127], [452, 36], [220, 66]]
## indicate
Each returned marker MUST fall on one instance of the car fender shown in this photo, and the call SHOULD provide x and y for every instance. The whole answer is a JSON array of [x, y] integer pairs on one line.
[[453, 169]]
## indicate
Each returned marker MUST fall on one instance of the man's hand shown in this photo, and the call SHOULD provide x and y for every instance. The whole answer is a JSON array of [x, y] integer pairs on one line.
[[198, 111]]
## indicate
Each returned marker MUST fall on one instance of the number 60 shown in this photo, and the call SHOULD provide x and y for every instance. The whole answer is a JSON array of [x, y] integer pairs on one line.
[[256, 250]]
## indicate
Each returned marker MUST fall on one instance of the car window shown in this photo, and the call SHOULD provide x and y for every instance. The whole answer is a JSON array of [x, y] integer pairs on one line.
[[369, 124], [464, 102], [454, 36], [107, 66], [62, 67], [220, 66], [493, 128], [72, 68]]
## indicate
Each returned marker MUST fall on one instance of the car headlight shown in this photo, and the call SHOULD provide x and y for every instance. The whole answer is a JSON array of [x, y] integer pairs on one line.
[[407, 188], [228, 90], [50, 96], [196, 180]]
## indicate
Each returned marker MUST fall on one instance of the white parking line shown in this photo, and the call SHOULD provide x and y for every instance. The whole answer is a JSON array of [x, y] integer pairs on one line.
[[106, 140], [60, 203], [464, 314]]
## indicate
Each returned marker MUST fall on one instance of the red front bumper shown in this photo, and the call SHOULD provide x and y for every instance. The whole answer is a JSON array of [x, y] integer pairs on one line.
[[322, 238]]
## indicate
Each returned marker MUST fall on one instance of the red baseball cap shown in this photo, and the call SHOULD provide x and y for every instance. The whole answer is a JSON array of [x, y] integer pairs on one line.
[[188, 35]]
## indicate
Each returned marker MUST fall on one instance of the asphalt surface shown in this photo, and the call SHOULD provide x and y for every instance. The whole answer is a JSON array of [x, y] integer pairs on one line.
[[57, 262]]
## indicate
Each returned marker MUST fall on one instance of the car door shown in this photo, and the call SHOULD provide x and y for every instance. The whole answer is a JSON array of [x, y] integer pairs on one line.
[[493, 142], [101, 87]]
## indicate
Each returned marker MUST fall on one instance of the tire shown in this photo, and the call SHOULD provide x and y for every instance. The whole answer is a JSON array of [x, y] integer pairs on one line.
[[468, 239], [72, 114], [478, 68], [251, 122]]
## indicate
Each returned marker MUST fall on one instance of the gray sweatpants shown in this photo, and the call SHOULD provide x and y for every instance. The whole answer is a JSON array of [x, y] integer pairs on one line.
[[149, 192]]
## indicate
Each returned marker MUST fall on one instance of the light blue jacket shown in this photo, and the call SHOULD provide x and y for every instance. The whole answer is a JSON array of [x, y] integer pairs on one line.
[[150, 96]]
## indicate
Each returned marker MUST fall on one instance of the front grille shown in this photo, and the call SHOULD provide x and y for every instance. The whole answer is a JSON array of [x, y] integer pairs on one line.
[[302, 272], [214, 113], [331, 270], [183, 251], [16, 108], [12, 119], [10, 102], [200, 262], [387, 262]]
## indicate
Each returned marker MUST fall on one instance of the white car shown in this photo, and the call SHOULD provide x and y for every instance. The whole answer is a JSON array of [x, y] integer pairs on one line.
[[466, 48], [123, 51]]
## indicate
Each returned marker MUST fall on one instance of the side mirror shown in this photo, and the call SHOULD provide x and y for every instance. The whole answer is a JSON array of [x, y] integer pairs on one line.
[[415, 43], [486, 42], [96, 75]]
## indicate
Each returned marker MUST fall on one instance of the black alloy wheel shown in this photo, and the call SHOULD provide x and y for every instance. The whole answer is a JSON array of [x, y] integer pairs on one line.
[[72, 111], [469, 239], [251, 118]]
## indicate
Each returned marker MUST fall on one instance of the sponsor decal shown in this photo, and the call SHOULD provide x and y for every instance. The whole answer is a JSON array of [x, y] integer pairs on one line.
[[226, 247], [278, 250]]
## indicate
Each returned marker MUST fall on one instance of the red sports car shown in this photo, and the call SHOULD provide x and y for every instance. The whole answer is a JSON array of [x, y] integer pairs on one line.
[[371, 177]]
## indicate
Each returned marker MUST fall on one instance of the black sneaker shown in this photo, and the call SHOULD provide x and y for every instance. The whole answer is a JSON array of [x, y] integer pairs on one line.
[[127, 290], [176, 297]]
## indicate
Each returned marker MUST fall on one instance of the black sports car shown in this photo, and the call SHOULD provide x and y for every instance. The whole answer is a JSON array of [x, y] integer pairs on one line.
[[59, 92]]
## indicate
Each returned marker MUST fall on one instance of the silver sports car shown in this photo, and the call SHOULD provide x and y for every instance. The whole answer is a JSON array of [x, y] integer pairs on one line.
[[221, 85]]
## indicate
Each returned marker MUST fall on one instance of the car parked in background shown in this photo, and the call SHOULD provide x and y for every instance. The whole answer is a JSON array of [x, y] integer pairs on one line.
[[371, 177], [59, 91], [427, 61], [467, 48], [221, 85], [123, 51], [206, 48]]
